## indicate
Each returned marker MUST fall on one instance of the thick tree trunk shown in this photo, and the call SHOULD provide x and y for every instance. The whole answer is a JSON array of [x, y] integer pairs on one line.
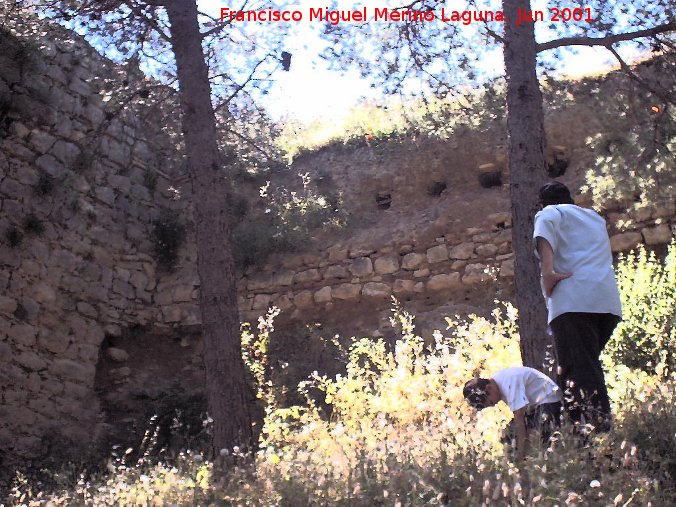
[[227, 393], [525, 126]]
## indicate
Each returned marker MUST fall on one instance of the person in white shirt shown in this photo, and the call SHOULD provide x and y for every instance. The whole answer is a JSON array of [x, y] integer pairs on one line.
[[531, 395], [583, 302]]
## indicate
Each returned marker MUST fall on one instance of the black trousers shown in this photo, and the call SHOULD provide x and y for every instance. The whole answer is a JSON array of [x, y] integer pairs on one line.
[[545, 418], [579, 339]]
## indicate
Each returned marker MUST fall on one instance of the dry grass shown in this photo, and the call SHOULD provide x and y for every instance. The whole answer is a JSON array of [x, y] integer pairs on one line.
[[394, 430]]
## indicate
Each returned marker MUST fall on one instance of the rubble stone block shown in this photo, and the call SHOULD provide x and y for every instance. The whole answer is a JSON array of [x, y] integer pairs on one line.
[[444, 281], [303, 299], [323, 295], [65, 152], [337, 253], [346, 291], [361, 266], [95, 334], [283, 302], [307, 276], [503, 217], [487, 250], [463, 251], [437, 254], [23, 334], [476, 274], [413, 261], [507, 268], [116, 354], [625, 241], [336, 271], [657, 235], [67, 369], [5, 351], [88, 353], [261, 301], [421, 273], [106, 195], [171, 314], [53, 341], [259, 281], [403, 286], [139, 280], [31, 361], [387, 264], [283, 278], [182, 294], [7, 305], [41, 140], [376, 290], [51, 166]]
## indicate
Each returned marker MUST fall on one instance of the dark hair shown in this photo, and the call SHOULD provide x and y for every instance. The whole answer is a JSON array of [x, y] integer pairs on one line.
[[475, 392], [555, 192]]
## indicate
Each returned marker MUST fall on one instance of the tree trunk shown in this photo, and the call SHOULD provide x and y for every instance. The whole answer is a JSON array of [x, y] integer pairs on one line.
[[527, 169], [227, 393]]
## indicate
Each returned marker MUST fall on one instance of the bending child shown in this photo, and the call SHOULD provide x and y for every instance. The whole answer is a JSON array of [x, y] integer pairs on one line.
[[533, 397]]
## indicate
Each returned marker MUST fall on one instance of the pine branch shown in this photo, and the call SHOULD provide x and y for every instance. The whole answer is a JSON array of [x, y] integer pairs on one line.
[[607, 40]]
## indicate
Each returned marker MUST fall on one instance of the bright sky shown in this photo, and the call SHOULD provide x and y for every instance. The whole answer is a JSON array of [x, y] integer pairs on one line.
[[298, 92]]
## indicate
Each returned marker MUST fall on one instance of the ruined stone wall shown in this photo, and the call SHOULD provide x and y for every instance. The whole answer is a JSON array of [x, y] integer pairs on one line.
[[76, 213], [453, 263]]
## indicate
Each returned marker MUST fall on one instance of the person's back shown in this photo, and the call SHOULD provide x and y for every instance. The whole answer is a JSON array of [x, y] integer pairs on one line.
[[581, 246], [521, 386]]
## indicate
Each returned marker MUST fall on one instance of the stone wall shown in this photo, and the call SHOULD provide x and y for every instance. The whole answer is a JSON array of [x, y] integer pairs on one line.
[[76, 213], [453, 263]]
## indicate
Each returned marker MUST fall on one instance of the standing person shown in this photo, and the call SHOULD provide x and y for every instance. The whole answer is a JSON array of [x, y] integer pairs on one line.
[[531, 395], [583, 302]]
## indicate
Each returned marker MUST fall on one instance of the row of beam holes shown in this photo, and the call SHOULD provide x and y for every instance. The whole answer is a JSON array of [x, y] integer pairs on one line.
[[557, 167], [384, 199], [487, 179]]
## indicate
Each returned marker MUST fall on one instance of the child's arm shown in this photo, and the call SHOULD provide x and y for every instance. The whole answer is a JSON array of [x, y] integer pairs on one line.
[[521, 433]]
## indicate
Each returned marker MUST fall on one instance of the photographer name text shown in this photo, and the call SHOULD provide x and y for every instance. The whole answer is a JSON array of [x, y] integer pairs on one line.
[[384, 14]]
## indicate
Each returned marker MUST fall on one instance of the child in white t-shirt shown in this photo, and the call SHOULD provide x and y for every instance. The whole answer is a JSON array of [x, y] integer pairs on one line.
[[532, 396]]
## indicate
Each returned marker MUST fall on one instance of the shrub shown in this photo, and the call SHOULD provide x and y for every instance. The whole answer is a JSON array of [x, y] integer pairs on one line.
[[83, 161], [44, 185], [33, 225], [397, 431], [168, 236], [178, 418], [150, 179], [288, 224], [646, 338], [254, 241], [13, 236]]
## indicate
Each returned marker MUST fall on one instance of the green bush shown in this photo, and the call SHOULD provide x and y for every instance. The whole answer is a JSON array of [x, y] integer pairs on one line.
[[254, 241], [646, 337], [290, 221]]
